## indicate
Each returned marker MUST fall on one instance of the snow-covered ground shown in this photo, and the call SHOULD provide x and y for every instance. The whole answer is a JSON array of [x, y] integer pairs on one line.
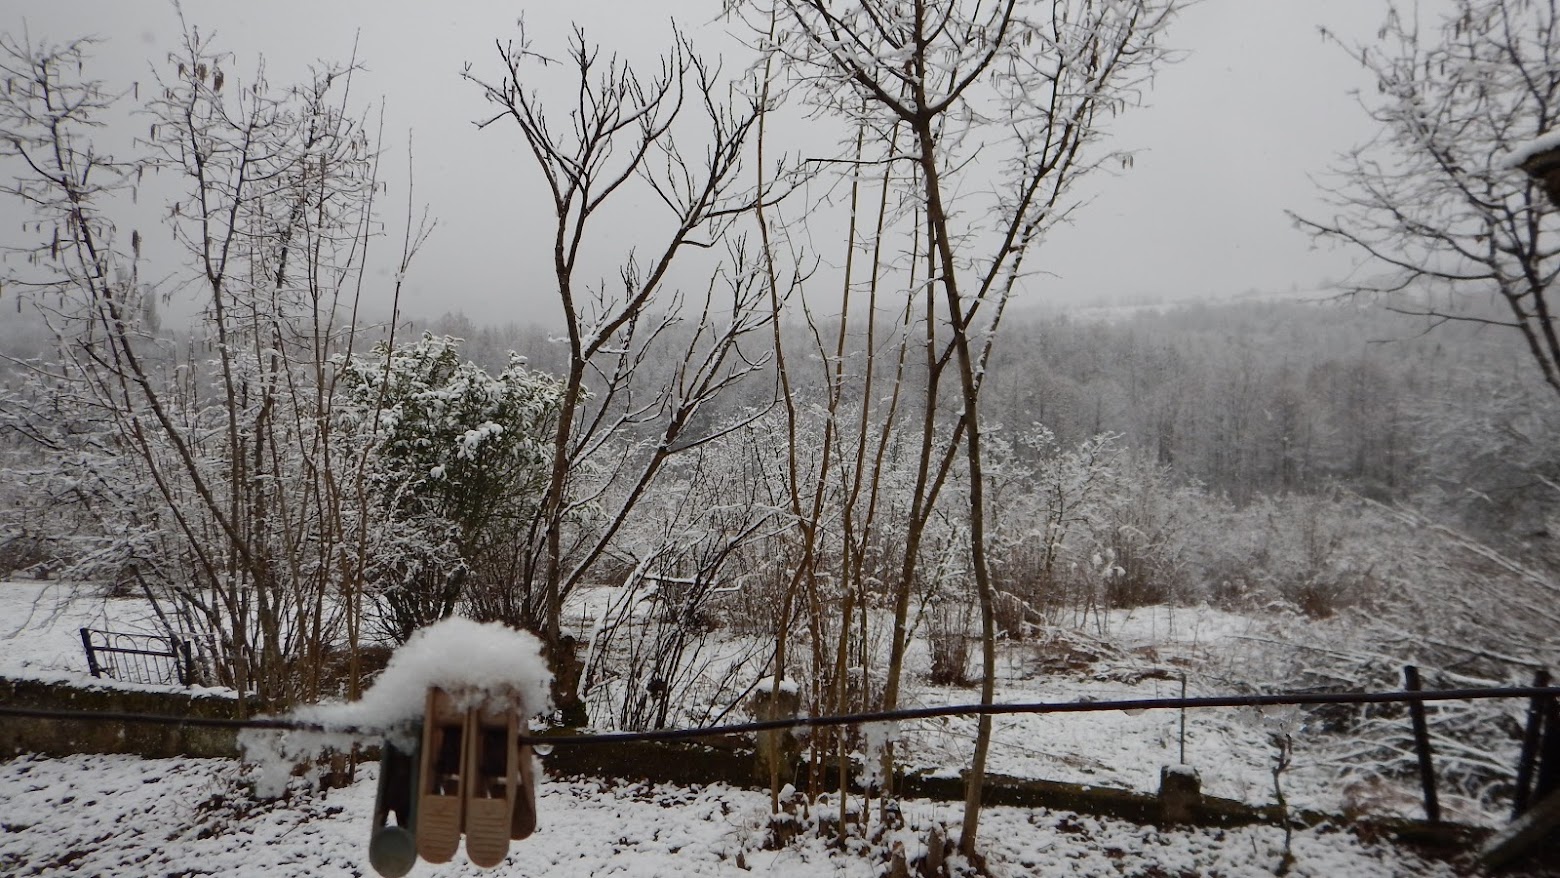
[[130, 817], [40, 624], [125, 816], [39, 639]]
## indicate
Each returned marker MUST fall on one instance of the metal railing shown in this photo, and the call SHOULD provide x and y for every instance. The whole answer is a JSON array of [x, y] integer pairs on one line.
[[139, 658]]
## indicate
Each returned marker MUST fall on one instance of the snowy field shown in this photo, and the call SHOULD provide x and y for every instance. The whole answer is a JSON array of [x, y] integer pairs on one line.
[[39, 639], [40, 624], [130, 817], [126, 816]]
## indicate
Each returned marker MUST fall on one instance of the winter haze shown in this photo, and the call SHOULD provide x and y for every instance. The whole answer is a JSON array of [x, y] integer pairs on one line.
[[1229, 139], [1138, 412]]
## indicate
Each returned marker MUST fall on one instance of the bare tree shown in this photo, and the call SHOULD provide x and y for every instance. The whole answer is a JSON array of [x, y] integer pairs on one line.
[[625, 136], [1006, 90], [1433, 201], [273, 194]]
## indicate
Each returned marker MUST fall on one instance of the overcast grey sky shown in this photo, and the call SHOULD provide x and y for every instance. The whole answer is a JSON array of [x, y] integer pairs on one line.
[[1233, 135], [1230, 140]]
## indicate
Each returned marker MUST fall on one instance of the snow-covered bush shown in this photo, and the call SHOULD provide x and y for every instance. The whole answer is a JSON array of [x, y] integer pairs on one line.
[[454, 469], [1315, 554], [1090, 528]]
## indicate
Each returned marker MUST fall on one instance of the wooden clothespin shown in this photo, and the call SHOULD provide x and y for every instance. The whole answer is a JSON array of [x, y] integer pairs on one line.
[[470, 776]]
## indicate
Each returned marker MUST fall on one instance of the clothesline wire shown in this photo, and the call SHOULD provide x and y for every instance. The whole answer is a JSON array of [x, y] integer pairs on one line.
[[566, 739]]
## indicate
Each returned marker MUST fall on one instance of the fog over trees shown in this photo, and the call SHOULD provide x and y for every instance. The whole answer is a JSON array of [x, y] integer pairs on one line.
[[817, 426]]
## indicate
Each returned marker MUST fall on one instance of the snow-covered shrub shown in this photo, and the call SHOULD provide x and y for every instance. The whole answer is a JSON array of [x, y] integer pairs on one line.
[[1145, 525], [1044, 503], [668, 648], [949, 635], [455, 464], [1090, 528], [1318, 555]]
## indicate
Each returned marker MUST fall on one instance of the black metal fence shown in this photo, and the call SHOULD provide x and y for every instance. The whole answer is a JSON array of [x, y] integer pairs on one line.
[[139, 658], [1538, 769]]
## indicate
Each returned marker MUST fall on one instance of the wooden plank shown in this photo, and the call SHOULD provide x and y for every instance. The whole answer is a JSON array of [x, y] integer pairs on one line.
[[1528, 834]]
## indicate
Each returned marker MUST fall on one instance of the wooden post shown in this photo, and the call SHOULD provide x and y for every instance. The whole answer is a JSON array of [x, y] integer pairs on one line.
[[184, 659], [1416, 711], [1548, 784], [1522, 797]]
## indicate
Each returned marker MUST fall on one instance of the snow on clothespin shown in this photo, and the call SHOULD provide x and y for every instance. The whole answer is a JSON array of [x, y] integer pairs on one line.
[[458, 695]]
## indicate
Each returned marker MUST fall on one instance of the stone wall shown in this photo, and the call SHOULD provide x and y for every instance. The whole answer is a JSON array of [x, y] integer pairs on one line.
[[63, 737]]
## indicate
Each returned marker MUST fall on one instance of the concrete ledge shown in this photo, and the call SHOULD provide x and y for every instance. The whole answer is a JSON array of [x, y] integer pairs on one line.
[[1211, 811], [62, 737]]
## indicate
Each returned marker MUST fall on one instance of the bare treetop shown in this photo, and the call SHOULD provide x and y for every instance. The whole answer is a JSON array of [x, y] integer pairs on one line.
[[1433, 202]]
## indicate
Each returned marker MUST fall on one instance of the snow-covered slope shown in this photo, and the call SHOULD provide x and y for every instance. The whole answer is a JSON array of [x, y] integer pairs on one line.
[[128, 817]]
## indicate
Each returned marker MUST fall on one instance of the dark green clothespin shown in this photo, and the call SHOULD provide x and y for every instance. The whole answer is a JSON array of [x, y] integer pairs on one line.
[[392, 848]]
